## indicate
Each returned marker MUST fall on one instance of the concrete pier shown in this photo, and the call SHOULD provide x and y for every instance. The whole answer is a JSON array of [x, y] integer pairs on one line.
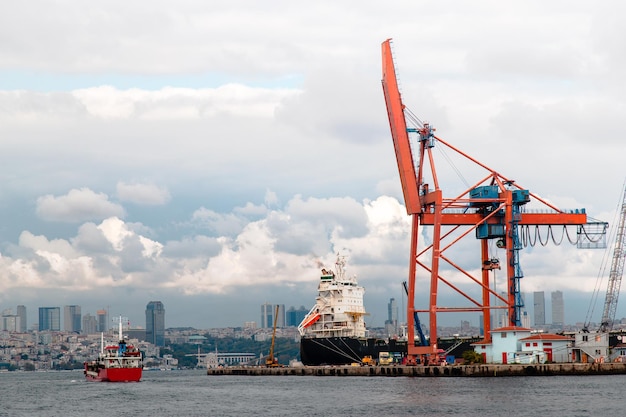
[[479, 370]]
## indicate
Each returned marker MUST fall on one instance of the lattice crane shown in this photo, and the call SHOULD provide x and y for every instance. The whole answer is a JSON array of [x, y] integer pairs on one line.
[[493, 208], [616, 272]]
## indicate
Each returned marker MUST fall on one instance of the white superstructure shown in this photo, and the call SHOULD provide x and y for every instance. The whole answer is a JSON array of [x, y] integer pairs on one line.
[[339, 310]]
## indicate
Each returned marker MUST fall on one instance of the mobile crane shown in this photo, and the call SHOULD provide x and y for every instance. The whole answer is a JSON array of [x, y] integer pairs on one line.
[[271, 361], [494, 208]]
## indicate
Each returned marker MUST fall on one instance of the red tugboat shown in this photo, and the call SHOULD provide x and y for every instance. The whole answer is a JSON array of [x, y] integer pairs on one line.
[[116, 363]]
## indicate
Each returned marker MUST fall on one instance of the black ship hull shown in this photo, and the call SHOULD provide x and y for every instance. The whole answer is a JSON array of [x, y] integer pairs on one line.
[[346, 350]]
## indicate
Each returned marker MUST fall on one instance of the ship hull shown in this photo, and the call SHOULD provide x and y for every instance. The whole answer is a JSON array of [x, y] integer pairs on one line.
[[316, 351], [113, 374]]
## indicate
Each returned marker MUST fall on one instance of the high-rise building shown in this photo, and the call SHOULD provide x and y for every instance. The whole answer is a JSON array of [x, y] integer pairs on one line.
[[391, 324], [72, 318], [539, 308], [280, 317], [267, 315], [155, 323], [558, 309], [21, 312], [295, 317], [50, 319], [102, 317], [90, 324], [9, 322]]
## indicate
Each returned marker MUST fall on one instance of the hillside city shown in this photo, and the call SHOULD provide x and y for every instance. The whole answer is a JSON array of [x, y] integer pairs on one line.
[[47, 345]]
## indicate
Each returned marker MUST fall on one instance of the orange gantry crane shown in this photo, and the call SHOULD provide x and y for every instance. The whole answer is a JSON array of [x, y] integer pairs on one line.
[[493, 208]]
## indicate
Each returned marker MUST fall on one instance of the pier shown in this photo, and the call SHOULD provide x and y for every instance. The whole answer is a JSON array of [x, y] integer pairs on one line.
[[478, 370]]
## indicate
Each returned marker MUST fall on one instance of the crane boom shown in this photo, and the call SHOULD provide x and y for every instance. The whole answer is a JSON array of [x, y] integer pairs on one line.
[[616, 272], [399, 133]]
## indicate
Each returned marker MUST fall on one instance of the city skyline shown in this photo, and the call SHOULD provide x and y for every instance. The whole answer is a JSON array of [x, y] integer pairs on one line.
[[571, 316]]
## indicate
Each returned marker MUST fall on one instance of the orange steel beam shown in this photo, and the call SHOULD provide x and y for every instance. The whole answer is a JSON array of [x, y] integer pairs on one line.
[[397, 123], [531, 219]]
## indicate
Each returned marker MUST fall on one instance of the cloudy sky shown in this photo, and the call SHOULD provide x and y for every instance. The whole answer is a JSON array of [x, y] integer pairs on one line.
[[211, 155]]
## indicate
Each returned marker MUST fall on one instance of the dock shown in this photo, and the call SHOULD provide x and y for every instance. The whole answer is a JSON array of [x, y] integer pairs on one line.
[[478, 370]]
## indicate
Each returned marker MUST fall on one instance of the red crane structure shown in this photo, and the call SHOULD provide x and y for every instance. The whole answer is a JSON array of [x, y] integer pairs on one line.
[[493, 209]]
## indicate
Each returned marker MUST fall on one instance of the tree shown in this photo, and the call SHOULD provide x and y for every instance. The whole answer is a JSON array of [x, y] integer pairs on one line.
[[471, 356]]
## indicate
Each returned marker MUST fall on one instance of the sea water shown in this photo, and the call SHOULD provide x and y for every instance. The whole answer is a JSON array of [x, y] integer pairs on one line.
[[193, 393]]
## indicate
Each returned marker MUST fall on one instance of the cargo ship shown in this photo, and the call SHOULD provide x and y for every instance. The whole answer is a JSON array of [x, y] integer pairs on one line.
[[334, 332], [116, 363]]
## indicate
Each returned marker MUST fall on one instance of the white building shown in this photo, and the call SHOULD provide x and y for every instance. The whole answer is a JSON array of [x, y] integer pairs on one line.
[[548, 347], [504, 346]]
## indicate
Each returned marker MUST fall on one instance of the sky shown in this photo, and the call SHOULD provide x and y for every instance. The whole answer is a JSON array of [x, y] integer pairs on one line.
[[213, 155]]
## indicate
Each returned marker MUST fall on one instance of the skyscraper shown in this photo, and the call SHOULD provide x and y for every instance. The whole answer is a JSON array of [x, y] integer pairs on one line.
[[267, 315], [391, 324], [558, 309], [102, 317], [155, 323], [71, 319], [50, 319], [90, 324], [295, 317], [539, 308], [21, 312], [280, 318]]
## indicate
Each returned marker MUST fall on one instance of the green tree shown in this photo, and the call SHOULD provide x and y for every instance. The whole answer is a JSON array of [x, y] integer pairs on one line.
[[471, 356]]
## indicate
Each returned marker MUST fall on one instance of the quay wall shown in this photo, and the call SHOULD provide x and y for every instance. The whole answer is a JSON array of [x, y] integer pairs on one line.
[[478, 370]]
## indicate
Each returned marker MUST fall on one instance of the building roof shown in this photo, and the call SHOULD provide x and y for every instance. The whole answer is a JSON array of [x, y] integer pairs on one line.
[[547, 336], [510, 329]]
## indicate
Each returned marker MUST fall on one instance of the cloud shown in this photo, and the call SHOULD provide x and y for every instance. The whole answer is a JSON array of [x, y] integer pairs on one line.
[[77, 206], [144, 194], [179, 158]]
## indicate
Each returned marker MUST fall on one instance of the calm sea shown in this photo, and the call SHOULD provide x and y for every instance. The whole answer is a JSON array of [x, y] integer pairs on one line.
[[193, 393]]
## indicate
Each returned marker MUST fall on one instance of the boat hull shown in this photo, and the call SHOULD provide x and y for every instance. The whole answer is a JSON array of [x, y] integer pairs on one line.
[[316, 351], [113, 374]]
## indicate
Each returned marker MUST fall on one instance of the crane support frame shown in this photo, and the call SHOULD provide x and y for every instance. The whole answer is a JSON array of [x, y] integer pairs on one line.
[[502, 213]]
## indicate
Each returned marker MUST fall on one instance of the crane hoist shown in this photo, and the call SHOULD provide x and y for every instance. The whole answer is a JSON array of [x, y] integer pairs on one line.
[[494, 208]]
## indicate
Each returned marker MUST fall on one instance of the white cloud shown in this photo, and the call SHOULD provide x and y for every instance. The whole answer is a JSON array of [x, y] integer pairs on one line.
[[145, 194], [77, 206], [203, 128]]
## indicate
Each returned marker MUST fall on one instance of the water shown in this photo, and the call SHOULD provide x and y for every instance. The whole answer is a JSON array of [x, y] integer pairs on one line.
[[193, 393]]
